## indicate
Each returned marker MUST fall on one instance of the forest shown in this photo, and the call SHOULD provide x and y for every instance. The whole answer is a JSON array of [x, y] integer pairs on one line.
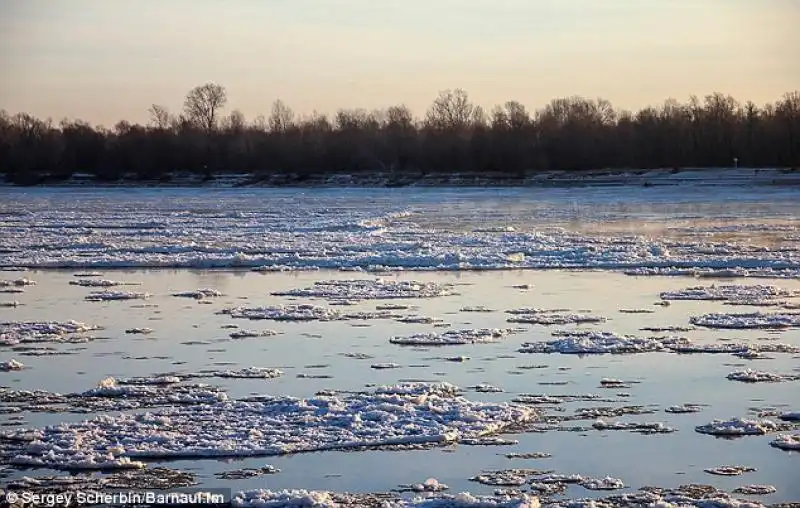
[[454, 136]]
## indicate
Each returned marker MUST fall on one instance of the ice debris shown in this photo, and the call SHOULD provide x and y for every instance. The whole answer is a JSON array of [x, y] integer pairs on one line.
[[105, 296], [246, 334], [737, 427], [787, 442], [753, 320], [600, 343], [199, 294], [370, 289], [17, 283], [729, 470], [101, 283], [19, 332], [419, 414], [453, 337], [757, 376], [755, 490], [731, 293], [11, 365]]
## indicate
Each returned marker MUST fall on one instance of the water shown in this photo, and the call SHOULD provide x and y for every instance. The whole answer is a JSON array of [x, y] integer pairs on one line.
[[664, 379]]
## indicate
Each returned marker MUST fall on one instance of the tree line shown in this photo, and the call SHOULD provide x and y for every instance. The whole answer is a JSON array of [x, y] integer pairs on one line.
[[454, 136]]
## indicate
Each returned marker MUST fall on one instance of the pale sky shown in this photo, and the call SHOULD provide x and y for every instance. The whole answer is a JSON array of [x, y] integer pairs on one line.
[[105, 60]]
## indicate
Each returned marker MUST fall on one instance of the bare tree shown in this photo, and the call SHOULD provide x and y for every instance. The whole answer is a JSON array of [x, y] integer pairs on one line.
[[159, 116], [451, 111], [203, 103], [281, 118]]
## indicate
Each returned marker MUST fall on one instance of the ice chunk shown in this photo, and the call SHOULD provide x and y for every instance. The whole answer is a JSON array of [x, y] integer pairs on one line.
[[104, 296], [453, 337], [11, 365], [757, 376], [370, 289], [101, 283], [199, 294], [787, 442], [737, 427], [748, 320]]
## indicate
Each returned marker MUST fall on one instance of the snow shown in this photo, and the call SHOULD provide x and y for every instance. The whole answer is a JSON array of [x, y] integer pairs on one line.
[[453, 337], [406, 414], [737, 427]]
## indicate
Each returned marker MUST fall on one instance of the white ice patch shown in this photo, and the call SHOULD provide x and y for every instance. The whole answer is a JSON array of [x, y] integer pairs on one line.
[[101, 283], [370, 289], [600, 343], [737, 427], [11, 365], [453, 337], [683, 408], [246, 334], [106, 296], [757, 376], [199, 294], [754, 320], [731, 293], [385, 366], [16, 332], [787, 442], [301, 312], [606, 483], [17, 283], [729, 470], [413, 414], [549, 318]]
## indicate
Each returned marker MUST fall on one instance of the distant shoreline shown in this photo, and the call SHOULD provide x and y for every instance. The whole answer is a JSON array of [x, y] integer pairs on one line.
[[611, 178]]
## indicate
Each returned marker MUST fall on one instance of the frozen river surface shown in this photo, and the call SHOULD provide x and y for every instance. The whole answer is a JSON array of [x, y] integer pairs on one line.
[[369, 374]]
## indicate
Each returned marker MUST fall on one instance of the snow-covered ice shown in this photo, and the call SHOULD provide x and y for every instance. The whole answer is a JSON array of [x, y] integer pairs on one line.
[[729, 470], [17, 332], [106, 296], [737, 427], [755, 490], [600, 343], [453, 337], [748, 320], [199, 294], [370, 289], [787, 442], [758, 376], [425, 414], [101, 283], [11, 365], [731, 293]]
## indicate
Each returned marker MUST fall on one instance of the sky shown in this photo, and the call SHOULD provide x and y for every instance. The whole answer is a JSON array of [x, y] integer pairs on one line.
[[103, 61]]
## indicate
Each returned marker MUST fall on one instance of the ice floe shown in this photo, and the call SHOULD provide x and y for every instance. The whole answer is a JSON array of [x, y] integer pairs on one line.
[[453, 337], [370, 289], [737, 427], [550, 317], [11, 365], [199, 294], [399, 415], [600, 343], [385, 366], [246, 334], [106, 296], [17, 283], [729, 470], [748, 320], [787, 442], [10, 304], [790, 416], [300, 312], [140, 331], [429, 485], [606, 483], [757, 376], [248, 472], [734, 293], [101, 283], [642, 427], [755, 490], [17, 332], [684, 408]]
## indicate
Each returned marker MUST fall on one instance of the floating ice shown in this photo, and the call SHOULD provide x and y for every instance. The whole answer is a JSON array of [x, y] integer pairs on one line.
[[246, 334], [11, 365], [417, 319], [142, 331], [419, 414], [16, 332], [737, 427], [790, 416], [684, 408], [786, 442], [505, 477], [199, 294], [320, 499], [755, 490], [245, 373], [17, 283], [13, 303], [453, 337], [757, 376], [531, 455], [550, 317], [475, 308], [607, 483], [240, 474], [644, 428], [104, 296], [486, 388], [370, 289], [748, 321], [301, 312], [87, 274], [731, 293], [729, 470], [429, 485], [600, 343], [384, 366], [101, 283]]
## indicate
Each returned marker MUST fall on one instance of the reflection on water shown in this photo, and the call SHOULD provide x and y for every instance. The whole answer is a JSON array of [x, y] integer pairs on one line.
[[665, 379]]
